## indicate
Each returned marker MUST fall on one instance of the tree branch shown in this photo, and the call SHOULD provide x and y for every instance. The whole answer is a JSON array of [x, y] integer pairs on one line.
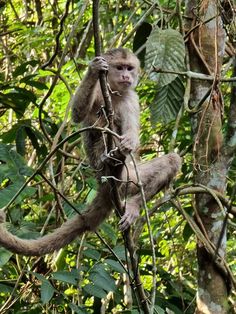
[[143, 301]]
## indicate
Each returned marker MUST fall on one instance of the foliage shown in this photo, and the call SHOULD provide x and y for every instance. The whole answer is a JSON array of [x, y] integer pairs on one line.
[[88, 275]]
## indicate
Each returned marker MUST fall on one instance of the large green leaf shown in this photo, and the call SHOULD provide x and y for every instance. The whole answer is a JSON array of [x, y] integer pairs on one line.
[[66, 276], [167, 102], [47, 291], [7, 193], [19, 133], [17, 99], [114, 265], [110, 232], [102, 278], [14, 163], [94, 291], [13, 171], [92, 253], [165, 50]]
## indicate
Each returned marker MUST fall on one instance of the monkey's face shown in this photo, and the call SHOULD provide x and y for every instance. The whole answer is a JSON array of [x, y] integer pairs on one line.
[[122, 75]]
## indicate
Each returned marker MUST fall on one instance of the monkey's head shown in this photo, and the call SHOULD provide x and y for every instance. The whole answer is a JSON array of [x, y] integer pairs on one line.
[[123, 69]]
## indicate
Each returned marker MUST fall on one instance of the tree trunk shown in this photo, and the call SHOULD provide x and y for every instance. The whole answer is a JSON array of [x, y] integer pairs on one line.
[[206, 45]]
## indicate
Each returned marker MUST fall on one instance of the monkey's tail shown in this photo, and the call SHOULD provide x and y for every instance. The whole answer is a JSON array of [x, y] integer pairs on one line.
[[97, 211]]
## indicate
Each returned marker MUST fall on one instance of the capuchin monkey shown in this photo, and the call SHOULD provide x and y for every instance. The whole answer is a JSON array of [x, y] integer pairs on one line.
[[122, 68]]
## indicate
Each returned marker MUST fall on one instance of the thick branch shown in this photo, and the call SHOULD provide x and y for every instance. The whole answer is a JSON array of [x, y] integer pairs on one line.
[[231, 135], [115, 192]]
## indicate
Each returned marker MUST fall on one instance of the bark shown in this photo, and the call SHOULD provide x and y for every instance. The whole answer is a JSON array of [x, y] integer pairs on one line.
[[38, 7], [211, 162]]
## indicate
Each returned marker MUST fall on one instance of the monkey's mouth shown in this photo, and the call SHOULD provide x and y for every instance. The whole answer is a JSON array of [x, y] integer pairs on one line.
[[125, 83]]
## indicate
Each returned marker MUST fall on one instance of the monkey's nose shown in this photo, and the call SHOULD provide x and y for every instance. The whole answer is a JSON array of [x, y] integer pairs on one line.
[[125, 78]]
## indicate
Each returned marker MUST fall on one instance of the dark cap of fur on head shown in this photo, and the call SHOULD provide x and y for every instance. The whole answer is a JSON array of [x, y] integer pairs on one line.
[[122, 53]]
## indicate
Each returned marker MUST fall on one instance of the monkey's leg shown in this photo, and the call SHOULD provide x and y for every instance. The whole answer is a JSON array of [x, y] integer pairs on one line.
[[154, 175]]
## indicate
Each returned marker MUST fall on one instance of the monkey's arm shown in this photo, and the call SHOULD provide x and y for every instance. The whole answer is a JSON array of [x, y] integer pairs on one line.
[[130, 125], [86, 93]]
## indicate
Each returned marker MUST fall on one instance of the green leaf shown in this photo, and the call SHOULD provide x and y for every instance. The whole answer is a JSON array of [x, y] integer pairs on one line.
[[29, 80], [13, 170], [38, 276], [187, 232], [20, 141], [17, 99], [7, 193], [94, 291], [5, 288], [21, 69], [26, 94], [159, 310], [13, 162], [110, 232], [66, 276], [91, 253], [77, 309], [36, 84], [101, 278], [4, 256], [114, 265], [27, 230], [120, 252], [102, 282], [167, 102], [47, 291], [165, 50]]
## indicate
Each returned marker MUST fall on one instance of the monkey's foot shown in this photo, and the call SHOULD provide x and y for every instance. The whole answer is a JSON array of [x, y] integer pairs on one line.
[[130, 215]]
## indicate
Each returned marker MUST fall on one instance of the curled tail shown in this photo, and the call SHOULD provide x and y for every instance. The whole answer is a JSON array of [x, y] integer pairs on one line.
[[88, 221]]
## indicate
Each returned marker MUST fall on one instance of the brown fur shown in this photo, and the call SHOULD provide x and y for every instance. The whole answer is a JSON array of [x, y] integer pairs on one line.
[[123, 68]]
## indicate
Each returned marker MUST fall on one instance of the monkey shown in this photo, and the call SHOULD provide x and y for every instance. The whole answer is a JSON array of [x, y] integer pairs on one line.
[[122, 69]]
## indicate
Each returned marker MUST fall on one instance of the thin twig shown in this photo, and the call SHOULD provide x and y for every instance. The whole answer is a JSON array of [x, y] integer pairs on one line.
[[154, 268], [54, 82], [62, 21], [194, 75]]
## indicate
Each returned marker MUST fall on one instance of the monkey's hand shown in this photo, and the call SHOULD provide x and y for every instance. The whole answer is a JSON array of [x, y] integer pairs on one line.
[[98, 64], [130, 215], [127, 144]]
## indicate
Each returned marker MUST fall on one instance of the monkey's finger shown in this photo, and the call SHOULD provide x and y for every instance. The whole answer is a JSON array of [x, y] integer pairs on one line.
[[123, 226], [99, 58], [99, 64], [125, 148], [126, 221]]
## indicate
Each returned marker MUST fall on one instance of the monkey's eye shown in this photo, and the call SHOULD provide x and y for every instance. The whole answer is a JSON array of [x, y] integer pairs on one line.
[[119, 67], [130, 68]]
